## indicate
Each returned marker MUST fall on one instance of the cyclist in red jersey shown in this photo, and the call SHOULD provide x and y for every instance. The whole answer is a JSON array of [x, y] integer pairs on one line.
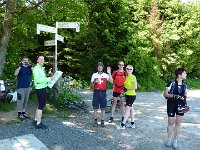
[[119, 78]]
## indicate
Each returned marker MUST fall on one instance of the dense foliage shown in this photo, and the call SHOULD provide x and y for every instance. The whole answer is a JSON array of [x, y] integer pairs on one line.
[[154, 36]]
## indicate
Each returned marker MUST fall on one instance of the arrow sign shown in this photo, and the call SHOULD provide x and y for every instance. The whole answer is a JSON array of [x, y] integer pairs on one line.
[[69, 25], [45, 28], [60, 38], [49, 43]]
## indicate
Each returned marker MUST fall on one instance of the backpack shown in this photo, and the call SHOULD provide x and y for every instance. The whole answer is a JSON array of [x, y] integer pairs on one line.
[[173, 86], [118, 75]]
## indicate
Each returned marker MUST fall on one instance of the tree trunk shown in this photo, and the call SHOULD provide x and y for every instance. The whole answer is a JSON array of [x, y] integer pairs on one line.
[[10, 7]]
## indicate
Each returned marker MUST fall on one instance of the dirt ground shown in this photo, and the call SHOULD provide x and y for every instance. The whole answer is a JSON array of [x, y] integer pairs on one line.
[[150, 120]]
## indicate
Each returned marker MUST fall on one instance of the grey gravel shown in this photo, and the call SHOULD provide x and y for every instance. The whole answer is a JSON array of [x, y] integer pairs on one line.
[[77, 132]]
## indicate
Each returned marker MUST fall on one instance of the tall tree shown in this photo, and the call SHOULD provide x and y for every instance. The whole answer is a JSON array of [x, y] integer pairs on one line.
[[12, 8]]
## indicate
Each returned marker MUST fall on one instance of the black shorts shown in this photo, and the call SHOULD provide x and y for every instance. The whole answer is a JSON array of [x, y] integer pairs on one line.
[[130, 99], [172, 107], [115, 94], [99, 99]]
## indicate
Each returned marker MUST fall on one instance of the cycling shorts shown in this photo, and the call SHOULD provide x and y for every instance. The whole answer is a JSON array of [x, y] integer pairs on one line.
[[130, 99], [172, 107]]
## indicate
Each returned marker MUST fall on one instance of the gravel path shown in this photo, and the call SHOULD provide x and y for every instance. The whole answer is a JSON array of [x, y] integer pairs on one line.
[[150, 134]]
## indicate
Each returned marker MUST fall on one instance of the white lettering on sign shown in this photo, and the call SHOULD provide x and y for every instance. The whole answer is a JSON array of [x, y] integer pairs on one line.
[[45, 28], [49, 43], [75, 25]]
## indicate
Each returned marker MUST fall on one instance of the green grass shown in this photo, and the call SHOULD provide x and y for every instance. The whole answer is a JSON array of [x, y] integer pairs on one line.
[[193, 83], [7, 106], [33, 97]]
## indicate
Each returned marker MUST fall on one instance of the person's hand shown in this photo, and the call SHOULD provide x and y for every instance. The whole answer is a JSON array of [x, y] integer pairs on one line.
[[182, 98], [109, 70], [50, 71], [97, 80], [176, 96], [124, 89], [18, 69]]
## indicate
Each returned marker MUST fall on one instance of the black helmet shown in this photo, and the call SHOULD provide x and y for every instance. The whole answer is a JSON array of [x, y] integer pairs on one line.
[[100, 64]]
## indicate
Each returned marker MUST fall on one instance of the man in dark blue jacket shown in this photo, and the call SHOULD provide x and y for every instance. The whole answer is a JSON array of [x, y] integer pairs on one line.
[[23, 73]]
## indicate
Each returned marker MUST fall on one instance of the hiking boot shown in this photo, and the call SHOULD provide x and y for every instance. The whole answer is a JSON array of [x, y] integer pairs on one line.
[[40, 126], [121, 127], [25, 116], [130, 126], [34, 122], [169, 143], [95, 124], [175, 144], [102, 124], [110, 120], [21, 117]]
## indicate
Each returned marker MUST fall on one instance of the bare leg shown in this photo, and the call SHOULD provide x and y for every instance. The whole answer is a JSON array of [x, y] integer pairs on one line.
[[127, 113], [95, 113], [122, 106], [102, 114], [170, 127], [132, 114], [113, 106], [177, 126]]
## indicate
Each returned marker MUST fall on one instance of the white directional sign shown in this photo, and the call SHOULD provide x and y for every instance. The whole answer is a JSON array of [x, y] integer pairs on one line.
[[69, 25], [49, 43], [60, 38], [45, 28]]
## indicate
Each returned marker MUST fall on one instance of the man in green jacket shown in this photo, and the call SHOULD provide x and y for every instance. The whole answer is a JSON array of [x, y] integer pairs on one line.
[[40, 82]]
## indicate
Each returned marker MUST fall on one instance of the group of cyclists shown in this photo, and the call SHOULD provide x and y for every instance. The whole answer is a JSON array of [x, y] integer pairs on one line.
[[124, 88]]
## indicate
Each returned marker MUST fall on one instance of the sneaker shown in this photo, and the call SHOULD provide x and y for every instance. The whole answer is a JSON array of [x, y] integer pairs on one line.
[[110, 120], [102, 124], [121, 127], [95, 124], [169, 143], [130, 126], [175, 144], [21, 117], [26, 116], [40, 126]]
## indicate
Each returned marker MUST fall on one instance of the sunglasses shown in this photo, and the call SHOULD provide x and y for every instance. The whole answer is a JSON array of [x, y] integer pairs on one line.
[[121, 64], [128, 69]]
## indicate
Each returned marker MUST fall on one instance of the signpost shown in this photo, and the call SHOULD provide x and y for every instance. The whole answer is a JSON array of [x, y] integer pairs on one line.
[[49, 43], [75, 25], [45, 28], [58, 37]]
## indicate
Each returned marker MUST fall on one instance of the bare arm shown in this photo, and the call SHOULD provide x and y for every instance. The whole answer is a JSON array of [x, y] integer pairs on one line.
[[166, 94], [17, 71], [109, 73]]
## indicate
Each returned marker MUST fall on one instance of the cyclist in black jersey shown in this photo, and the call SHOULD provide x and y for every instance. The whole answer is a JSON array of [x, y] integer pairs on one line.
[[175, 93]]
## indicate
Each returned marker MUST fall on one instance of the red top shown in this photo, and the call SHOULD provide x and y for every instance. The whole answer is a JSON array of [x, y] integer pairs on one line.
[[101, 78], [118, 80]]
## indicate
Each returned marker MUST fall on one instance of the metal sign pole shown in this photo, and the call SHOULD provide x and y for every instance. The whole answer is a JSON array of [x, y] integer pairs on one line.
[[56, 51]]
